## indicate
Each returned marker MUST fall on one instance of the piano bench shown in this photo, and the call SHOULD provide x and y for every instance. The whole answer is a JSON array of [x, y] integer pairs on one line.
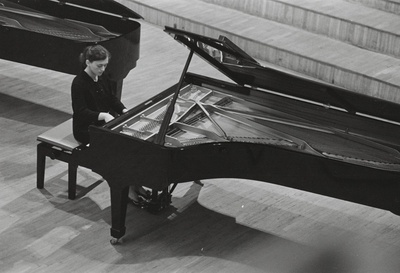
[[58, 143]]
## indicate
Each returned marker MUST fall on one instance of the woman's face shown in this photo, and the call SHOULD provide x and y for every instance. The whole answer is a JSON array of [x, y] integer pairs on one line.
[[97, 67]]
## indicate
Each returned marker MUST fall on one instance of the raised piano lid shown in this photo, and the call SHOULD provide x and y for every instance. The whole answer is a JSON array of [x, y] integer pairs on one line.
[[107, 6], [244, 70]]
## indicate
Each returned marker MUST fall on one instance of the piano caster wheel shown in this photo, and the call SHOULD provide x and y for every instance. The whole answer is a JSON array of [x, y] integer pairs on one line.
[[114, 241]]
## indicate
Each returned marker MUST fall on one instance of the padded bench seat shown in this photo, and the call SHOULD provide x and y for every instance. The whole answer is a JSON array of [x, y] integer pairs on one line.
[[60, 136], [58, 143]]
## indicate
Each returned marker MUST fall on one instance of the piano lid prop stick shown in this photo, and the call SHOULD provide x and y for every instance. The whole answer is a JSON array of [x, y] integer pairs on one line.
[[212, 120], [160, 137]]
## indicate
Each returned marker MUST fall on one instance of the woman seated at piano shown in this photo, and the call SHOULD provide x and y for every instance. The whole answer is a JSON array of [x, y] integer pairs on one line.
[[93, 103]]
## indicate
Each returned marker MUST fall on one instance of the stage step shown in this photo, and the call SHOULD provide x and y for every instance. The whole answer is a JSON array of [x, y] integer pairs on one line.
[[286, 46], [338, 19], [392, 6]]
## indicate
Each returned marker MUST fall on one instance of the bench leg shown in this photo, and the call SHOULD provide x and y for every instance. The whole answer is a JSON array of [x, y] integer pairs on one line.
[[72, 170], [40, 167], [42, 152]]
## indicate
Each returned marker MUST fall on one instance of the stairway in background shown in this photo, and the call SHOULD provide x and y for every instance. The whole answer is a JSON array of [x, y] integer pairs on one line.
[[392, 6], [351, 43]]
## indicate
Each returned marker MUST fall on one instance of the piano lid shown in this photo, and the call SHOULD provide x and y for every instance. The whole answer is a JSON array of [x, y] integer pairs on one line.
[[227, 57], [51, 34], [107, 6], [34, 21]]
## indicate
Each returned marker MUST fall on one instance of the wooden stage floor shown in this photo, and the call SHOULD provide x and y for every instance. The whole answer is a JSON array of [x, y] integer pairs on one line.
[[224, 225]]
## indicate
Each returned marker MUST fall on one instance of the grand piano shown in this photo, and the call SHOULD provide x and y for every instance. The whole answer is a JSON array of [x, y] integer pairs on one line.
[[51, 34], [265, 125]]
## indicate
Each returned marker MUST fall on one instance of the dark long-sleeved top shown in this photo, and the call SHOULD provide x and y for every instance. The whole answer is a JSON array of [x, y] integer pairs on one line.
[[89, 98]]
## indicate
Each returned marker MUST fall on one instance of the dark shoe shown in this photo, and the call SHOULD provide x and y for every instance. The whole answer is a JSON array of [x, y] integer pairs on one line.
[[138, 203]]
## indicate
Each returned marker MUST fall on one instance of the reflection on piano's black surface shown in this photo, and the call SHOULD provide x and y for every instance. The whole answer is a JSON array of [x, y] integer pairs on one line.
[[271, 126], [34, 21], [51, 34]]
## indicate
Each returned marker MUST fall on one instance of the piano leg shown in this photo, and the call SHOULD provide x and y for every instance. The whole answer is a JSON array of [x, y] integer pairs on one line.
[[119, 203]]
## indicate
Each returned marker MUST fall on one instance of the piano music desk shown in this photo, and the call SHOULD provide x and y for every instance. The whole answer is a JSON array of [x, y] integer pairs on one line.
[[58, 143]]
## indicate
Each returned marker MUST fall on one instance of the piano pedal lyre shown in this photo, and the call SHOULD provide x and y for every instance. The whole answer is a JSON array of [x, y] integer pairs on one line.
[[160, 200]]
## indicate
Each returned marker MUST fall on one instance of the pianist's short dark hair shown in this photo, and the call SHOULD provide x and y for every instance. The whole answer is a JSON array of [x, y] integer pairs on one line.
[[94, 53]]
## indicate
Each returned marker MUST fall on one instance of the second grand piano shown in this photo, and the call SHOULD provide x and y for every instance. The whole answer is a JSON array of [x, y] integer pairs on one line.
[[269, 126], [51, 34]]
